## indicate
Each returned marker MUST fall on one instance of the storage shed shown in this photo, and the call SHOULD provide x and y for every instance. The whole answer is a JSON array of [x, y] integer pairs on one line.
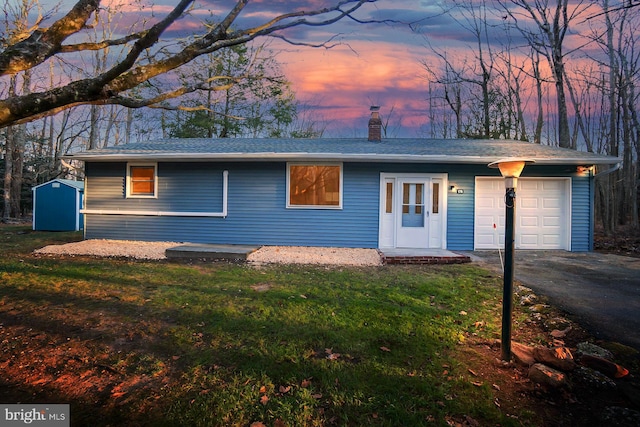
[[57, 204]]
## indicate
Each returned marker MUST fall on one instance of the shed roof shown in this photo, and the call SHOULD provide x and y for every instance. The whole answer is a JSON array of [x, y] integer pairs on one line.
[[417, 150], [78, 185]]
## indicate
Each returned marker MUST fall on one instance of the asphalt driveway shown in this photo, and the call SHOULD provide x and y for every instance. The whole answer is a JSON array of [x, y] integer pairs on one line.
[[599, 291]]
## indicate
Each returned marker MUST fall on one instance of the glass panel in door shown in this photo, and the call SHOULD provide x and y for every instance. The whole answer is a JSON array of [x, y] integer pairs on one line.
[[412, 205], [413, 225]]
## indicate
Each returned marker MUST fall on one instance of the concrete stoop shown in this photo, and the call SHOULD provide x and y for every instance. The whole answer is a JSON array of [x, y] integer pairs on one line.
[[192, 251]]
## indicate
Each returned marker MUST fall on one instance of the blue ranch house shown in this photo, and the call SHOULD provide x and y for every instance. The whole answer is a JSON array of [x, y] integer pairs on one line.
[[364, 193]]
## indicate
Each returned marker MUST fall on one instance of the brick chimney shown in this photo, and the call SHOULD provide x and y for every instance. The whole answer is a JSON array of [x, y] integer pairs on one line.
[[375, 124]]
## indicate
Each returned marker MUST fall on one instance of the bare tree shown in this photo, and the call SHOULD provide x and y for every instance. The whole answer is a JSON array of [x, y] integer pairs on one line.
[[111, 86], [551, 24], [16, 26], [473, 18]]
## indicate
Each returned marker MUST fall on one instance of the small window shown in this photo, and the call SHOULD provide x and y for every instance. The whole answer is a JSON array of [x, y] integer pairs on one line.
[[142, 181], [389, 201], [435, 203], [314, 186]]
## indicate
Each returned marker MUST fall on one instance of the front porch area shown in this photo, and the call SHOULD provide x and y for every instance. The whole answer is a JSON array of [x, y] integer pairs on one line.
[[422, 256], [241, 253]]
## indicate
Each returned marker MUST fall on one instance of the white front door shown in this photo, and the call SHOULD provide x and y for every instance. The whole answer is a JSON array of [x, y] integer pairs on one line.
[[412, 211], [412, 223]]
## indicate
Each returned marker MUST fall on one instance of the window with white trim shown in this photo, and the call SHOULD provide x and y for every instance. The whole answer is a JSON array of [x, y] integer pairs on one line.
[[142, 180], [314, 185]]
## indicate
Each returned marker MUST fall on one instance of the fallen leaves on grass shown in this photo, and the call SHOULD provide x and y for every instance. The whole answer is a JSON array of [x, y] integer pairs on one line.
[[284, 389], [331, 355]]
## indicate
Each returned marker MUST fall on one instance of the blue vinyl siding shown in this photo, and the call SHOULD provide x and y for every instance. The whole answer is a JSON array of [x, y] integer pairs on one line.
[[581, 215], [460, 224], [190, 187], [257, 212]]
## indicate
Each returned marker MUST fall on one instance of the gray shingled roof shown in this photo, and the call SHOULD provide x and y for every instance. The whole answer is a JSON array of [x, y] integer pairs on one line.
[[348, 149]]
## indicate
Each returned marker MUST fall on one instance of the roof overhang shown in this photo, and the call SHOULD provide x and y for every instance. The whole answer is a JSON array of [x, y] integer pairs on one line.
[[342, 157]]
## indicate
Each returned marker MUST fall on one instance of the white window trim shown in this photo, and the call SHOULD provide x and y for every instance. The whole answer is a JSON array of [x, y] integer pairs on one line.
[[290, 206], [155, 181]]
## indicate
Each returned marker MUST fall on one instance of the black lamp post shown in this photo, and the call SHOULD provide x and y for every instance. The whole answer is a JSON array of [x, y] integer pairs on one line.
[[510, 170]]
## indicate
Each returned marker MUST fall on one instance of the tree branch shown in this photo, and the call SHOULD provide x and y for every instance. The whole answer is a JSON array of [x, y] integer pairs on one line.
[[103, 44], [44, 43], [129, 73]]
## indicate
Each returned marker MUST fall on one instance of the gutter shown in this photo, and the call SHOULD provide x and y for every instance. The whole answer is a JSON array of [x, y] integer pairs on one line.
[[616, 167], [341, 157]]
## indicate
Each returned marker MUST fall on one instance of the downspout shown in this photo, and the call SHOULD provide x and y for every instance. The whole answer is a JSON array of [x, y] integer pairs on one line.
[[225, 192], [609, 171], [78, 207]]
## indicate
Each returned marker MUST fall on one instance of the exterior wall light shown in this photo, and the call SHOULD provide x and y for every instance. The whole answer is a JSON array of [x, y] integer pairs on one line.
[[510, 169], [584, 169]]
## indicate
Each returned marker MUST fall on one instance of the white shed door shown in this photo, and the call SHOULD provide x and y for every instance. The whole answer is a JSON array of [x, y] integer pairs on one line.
[[543, 217]]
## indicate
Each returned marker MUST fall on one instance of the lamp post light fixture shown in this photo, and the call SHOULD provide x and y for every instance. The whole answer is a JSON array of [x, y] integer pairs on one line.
[[510, 169]]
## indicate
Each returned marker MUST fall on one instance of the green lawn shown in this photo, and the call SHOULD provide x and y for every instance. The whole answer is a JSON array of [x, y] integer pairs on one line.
[[224, 344]]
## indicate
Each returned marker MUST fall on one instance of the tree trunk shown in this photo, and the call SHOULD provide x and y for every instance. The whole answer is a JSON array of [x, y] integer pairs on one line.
[[17, 172], [537, 134], [93, 127], [564, 134], [128, 126], [8, 169]]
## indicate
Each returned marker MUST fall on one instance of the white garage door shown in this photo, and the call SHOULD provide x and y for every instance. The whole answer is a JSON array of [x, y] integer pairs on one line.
[[542, 213]]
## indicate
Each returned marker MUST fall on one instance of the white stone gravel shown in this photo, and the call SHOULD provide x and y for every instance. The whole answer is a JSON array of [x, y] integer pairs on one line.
[[111, 248], [264, 255], [315, 255]]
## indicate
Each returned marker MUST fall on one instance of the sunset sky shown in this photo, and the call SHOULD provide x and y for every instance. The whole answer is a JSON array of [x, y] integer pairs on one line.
[[370, 63], [378, 64], [375, 63]]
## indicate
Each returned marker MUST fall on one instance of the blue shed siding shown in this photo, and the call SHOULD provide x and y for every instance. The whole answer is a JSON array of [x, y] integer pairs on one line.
[[257, 212], [56, 208]]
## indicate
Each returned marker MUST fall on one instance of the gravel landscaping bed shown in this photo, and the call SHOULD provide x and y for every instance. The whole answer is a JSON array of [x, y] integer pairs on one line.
[[315, 255], [266, 254], [110, 248]]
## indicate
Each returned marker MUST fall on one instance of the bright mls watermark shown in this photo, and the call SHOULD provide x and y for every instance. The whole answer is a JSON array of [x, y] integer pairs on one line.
[[41, 415]]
